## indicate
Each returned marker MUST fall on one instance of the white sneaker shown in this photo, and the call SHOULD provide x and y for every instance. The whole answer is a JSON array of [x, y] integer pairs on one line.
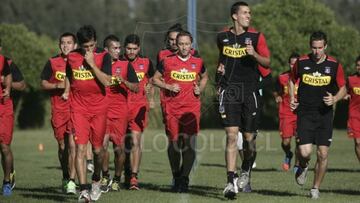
[[95, 191], [314, 193], [90, 167], [243, 179], [84, 196], [229, 191], [236, 187], [300, 175], [254, 165], [71, 187]]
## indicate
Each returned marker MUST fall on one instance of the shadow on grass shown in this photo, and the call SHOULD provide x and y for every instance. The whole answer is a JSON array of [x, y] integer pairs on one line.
[[342, 191], [275, 193], [255, 169], [46, 193], [344, 170], [199, 190]]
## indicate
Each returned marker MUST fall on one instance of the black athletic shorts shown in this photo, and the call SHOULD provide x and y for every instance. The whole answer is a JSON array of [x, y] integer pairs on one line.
[[314, 128], [239, 109]]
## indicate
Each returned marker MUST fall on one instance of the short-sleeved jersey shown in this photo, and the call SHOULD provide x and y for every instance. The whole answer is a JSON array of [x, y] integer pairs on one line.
[[316, 80], [167, 52], [354, 91], [117, 93], [240, 68], [144, 71], [54, 71], [282, 87], [87, 93], [185, 74], [4, 71]]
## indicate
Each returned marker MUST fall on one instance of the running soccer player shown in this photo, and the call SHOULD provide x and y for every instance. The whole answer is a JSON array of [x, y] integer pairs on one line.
[[287, 118], [53, 81], [6, 124], [124, 81], [242, 51], [137, 102], [184, 78], [322, 84], [89, 72], [353, 124]]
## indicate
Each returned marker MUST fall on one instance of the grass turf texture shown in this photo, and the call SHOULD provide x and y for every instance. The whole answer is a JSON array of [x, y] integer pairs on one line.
[[39, 176]]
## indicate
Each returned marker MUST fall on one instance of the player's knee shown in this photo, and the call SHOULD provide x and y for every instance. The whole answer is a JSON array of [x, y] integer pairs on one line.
[[5, 149], [322, 156], [357, 142]]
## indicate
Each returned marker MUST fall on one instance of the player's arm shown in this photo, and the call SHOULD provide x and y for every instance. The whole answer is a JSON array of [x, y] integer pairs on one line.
[[160, 82], [199, 88], [262, 55], [132, 83], [7, 80], [293, 78], [18, 82], [277, 91], [104, 74], [45, 77], [341, 83], [149, 88]]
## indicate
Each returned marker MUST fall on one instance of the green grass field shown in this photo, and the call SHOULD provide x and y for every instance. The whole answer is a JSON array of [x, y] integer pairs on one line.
[[39, 176]]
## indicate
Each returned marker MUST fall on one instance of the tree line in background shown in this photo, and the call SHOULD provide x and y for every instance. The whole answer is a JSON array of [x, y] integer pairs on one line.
[[29, 33]]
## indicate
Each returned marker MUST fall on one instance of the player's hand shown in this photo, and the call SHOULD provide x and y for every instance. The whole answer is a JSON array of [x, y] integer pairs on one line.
[[221, 69], [250, 49], [6, 94], [174, 88], [89, 58], [278, 99], [61, 85], [293, 104], [196, 89], [329, 99], [65, 96], [119, 79], [347, 97]]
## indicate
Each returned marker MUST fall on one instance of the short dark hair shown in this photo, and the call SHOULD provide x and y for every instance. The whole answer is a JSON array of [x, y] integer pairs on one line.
[[85, 34], [235, 7], [132, 39], [184, 33], [67, 34], [293, 55], [317, 36], [357, 59], [108, 39], [174, 28]]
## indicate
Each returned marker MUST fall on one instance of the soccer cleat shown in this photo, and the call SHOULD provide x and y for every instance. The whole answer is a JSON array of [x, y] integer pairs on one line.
[[295, 168], [90, 167], [300, 175], [247, 188], [95, 191], [115, 185], [229, 191], [105, 184], [287, 162], [84, 196], [6, 189], [134, 185], [71, 187], [254, 165], [12, 180], [314, 193], [235, 180], [243, 179]]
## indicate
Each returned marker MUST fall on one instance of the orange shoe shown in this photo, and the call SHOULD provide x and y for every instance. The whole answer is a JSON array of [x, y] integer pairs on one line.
[[134, 185]]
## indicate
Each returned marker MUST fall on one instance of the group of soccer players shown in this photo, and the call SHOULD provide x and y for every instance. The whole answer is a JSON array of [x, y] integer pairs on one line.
[[98, 96]]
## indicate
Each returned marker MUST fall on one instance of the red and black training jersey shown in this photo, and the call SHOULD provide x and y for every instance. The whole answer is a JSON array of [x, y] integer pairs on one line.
[[167, 52], [144, 70], [354, 91], [240, 68], [185, 74], [316, 80], [282, 87], [4, 71], [16, 74], [117, 94], [54, 71], [87, 93]]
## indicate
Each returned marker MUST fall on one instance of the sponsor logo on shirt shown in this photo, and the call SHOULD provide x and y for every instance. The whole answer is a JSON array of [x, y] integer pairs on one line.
[[60, 75], [183, 75], [327, 69], [140, 76], [356, 90], [307, 68], [114, 81], [234, 51], [316, 79], [82, 75]]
